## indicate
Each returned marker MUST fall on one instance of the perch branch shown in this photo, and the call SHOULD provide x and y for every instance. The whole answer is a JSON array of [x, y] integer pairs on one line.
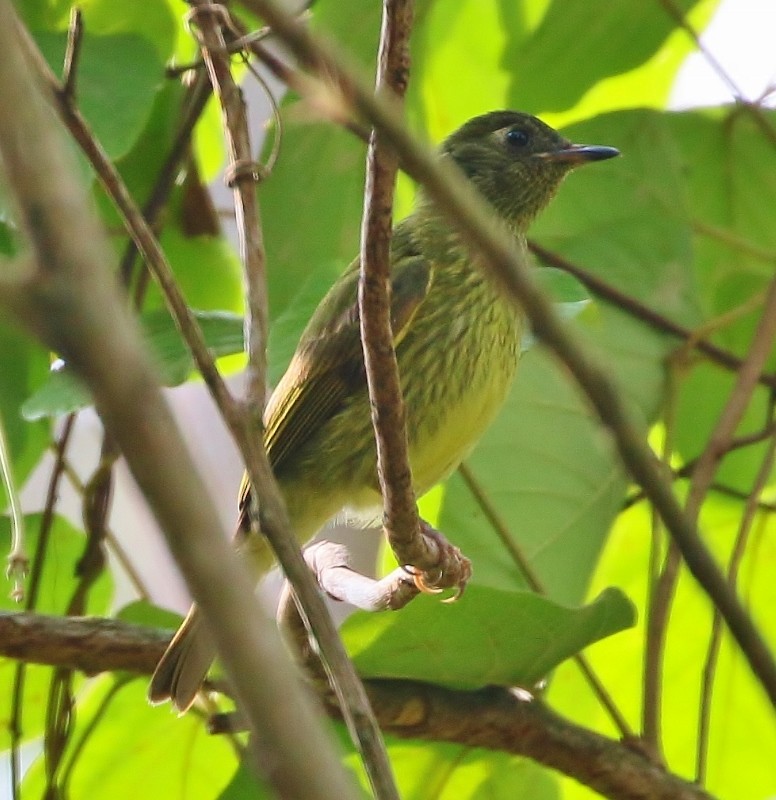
[[494, 718]]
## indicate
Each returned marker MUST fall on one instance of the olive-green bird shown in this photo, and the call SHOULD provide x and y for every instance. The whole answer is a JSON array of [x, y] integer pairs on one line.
[[457, 342]]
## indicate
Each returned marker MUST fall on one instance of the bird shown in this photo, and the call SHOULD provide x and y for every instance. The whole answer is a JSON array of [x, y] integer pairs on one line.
[[457, 342]]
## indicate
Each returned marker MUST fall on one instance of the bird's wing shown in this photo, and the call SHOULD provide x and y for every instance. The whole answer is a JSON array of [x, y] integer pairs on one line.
[[328, 364]]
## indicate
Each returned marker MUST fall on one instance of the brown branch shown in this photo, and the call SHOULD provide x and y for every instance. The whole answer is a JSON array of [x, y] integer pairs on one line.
[[715, 642], [439, 565], [457, 198], [640, 311], [69, 299], [400, 516], [242, 173], [75, 33], [495, 718]]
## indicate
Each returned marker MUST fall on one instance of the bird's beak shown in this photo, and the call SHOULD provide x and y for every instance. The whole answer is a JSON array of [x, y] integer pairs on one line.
[[576, 154]]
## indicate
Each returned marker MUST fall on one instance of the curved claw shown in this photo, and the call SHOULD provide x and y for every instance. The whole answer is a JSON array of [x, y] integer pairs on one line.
[[428, 586]]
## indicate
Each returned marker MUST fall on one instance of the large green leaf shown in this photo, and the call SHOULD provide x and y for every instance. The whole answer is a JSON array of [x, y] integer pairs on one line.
[[723, 152], [743, 734], [510, 638], [579, 44], [120, 747], [311, 206], [118, 75]]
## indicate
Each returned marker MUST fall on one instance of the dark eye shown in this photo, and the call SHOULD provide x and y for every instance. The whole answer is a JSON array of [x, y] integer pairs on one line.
[[517, 137]]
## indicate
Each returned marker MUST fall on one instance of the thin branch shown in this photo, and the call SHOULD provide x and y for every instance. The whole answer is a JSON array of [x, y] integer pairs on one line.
[[453, 194], [493, 718], [715, 643], [753, 109], [643, 312], [70, 300], [661, 570], [17, 560], [738, 401], [241, 175], [400, 516], [33, 589], [75, 32]]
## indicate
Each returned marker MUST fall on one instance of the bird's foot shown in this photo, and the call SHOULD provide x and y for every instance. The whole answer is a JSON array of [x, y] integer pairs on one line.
[[451, 568]]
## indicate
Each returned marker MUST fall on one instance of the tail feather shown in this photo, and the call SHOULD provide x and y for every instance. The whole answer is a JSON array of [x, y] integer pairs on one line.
[[182, 669]]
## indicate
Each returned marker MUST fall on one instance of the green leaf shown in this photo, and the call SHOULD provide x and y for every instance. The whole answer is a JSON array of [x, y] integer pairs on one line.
[[120, 747], [23, 368], [118, 76], [223, 332], [141, 612], [723, 153], [577, 45], [57, 584], [445, 771], [314, 222], [207, 269], [743, 736], [510, 638], [246, 786]]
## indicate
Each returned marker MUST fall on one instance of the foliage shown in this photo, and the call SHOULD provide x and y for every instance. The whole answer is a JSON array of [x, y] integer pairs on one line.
[[682, 224]]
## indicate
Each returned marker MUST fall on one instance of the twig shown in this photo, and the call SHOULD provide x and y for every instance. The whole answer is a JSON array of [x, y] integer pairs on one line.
[[75, 31], [241, 175], [17, 560], [661, 570], [493, 718], [452, 193], [753, 109], [715, 643], [38, 561], [644, 313], [71, 301]]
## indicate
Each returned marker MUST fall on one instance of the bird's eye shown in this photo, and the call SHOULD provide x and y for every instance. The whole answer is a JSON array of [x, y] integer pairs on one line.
[[517, 137]]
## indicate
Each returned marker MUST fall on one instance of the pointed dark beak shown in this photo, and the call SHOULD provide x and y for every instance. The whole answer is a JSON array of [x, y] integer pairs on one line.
[[576, 154]]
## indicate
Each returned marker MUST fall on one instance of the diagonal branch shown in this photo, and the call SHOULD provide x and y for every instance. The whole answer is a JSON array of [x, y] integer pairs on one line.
[[644, 313]]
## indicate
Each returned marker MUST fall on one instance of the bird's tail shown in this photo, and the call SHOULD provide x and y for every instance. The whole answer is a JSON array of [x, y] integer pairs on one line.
[[182, 669]]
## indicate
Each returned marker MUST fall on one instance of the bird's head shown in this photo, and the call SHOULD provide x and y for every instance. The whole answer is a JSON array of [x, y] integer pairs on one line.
[[516, 161]]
